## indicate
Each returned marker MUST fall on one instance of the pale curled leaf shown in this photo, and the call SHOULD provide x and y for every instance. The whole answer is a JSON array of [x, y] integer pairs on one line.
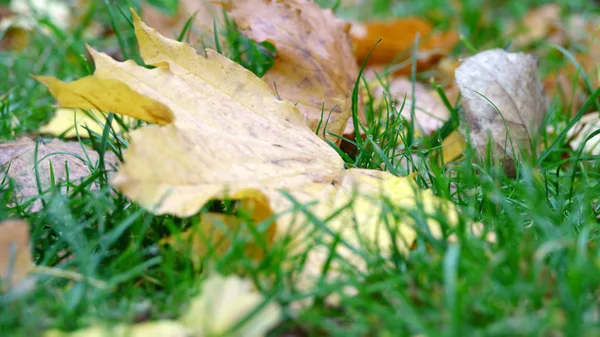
[[510, 82], [68, 160], [15, 253], [582, 130], [315, 65], [226, 301]]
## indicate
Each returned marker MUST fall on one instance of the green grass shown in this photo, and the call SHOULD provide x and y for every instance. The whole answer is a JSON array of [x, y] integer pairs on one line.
[[541, 278]]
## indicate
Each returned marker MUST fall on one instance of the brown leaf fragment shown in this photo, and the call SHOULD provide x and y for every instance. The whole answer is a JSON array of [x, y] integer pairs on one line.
[[18, 160], [315, 65], [502, 95], [15, 254]]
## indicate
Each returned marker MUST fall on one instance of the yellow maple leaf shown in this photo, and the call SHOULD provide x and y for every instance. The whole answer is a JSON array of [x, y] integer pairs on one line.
[[229, 136], [315, 66]]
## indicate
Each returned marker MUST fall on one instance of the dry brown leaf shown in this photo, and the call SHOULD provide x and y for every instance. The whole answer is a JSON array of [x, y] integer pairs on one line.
[[502, 95], [18, 160], [315, 65], [15, 254], [397, 44]]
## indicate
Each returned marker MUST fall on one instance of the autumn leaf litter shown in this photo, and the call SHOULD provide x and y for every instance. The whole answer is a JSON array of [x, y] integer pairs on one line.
[[268, 151]]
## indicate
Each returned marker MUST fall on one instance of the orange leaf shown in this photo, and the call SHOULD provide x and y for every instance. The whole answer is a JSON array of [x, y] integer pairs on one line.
[[397, 40]]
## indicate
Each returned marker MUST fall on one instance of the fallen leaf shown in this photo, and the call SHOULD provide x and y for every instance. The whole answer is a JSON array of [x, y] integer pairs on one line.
[[71, 123], [254, 142], [18, 160], [398, 38], [223, 303], [430, 111], [502, 95], [314, 67], [163, 328], [582, 130], [13, 37], [376, 217], [231, 137], [112, 95], [15, 254], [453, 146]]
